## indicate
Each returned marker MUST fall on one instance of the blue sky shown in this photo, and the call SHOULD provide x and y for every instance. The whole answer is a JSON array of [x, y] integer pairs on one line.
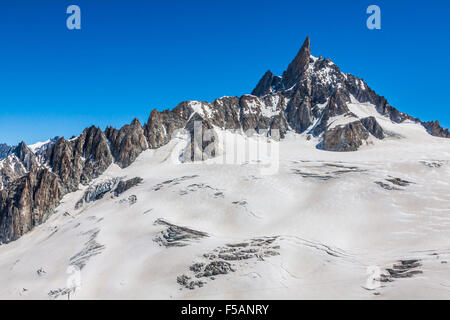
[[133, 56]]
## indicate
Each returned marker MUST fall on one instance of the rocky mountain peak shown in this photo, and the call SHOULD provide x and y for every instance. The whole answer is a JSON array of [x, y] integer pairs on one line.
[[136, 122], [270, 83], [434, 128], [265, 84], [21, 149], [298, 66], [127, 143], [25, 155], [312, 97], [5, 150]]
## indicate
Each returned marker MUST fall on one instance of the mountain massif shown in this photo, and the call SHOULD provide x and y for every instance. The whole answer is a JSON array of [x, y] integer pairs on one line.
[[312, 97]]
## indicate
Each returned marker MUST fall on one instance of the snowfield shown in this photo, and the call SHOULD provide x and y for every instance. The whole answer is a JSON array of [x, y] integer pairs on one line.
[[371, 224]]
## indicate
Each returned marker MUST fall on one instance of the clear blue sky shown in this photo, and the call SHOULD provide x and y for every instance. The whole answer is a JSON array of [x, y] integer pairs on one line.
[[133, 56]]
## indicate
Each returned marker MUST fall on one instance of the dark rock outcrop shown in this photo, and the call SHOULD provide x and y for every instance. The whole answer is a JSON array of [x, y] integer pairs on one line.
[[435, 129], [267, 84], [226, 113], [298, 66], [177, 236], [81, 159], [127, 143], [28, 199], [25, 155], [203, 139], [373, 127], [5, 150], [126, 185], [27, 202], [345, 138], [336, 106], [161, 125]]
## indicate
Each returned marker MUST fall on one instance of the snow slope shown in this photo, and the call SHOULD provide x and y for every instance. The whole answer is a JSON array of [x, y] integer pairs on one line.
[[317, 228]]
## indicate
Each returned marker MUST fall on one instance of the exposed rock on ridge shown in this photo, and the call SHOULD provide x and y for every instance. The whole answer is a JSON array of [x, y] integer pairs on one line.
[[80, 160], [435, 129], [5, 150], [127, 143], [345, 138], [34, 190], [298, 66], [26, 203]]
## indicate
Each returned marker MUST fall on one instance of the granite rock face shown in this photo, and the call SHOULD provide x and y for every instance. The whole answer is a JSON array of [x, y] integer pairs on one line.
[[298, 66], [17, 163], [32, 183], [127, 143], [5, 150], [203, 139], [373, 127], [11, 169], [97, 191], [32, 190], [161, 125], [435, 129], [317, 91], [81, 159], [27, 202]]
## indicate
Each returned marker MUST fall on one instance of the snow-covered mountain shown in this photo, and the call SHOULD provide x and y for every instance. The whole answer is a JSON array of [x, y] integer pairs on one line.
[[358, 187]]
